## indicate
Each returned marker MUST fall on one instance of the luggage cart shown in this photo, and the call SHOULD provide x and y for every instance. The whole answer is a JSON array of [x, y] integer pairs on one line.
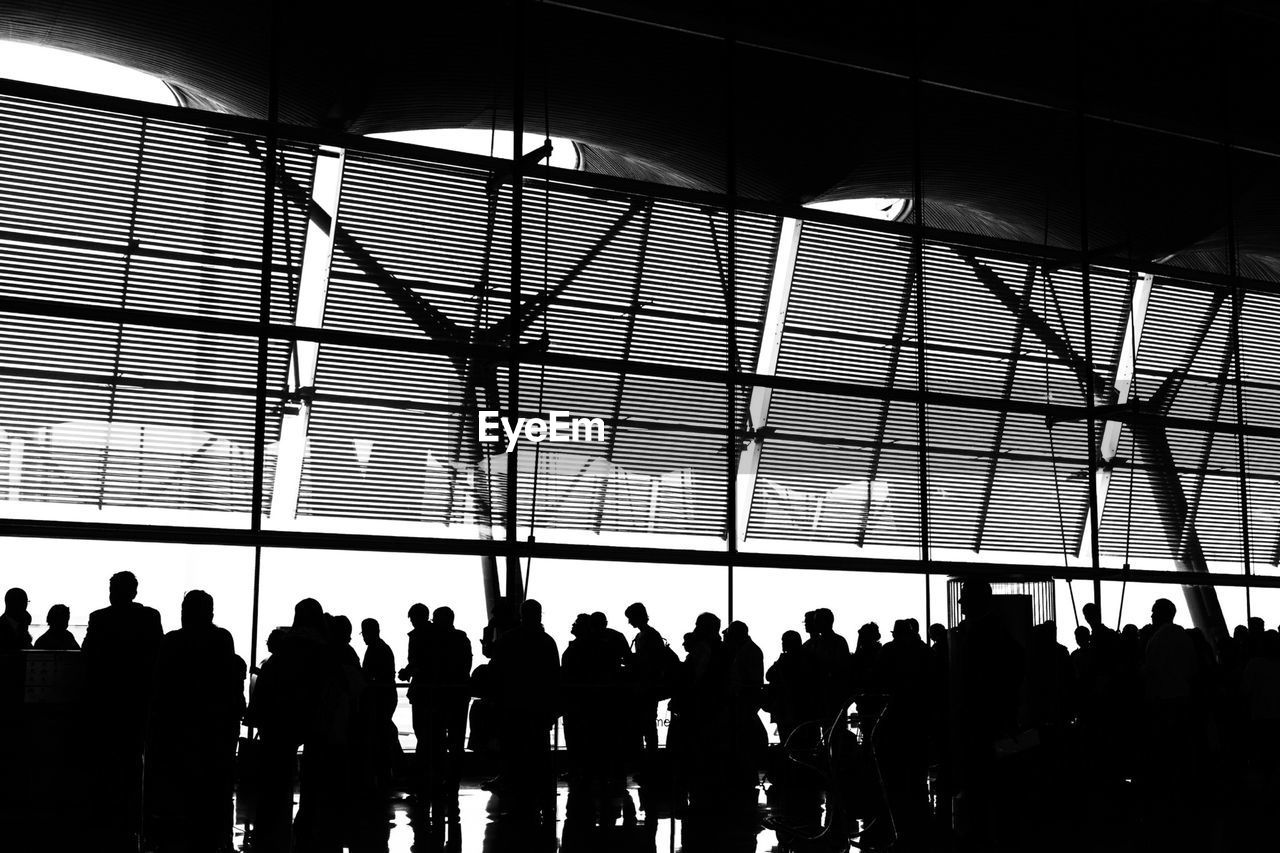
[[837, 753]]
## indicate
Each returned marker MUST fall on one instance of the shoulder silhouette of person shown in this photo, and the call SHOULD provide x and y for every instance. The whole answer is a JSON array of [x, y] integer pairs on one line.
[[340, 629], [451, 657], [654, 666], [1171, 662], [648, 646], [14, 637], [195, 722], [830, 652], [613, 643], [120, 648], [14, 623], [379, 664], [415, 670], [121, 644], [528, 663], [57, 637], [379, 670], [793, 686]]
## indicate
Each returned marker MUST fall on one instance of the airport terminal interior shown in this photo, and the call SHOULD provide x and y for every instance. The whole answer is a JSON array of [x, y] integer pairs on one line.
[[614, 425]]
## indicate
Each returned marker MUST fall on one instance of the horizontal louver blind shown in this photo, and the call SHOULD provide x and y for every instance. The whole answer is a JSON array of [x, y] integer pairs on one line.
[[634, 279], [123, 212], [832, 468]]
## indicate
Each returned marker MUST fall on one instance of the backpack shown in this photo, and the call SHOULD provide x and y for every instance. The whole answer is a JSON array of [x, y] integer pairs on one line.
[[667, 670]]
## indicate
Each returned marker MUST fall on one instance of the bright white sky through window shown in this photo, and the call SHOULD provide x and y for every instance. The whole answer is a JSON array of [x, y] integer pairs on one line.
[[33, 63], [485, 142]]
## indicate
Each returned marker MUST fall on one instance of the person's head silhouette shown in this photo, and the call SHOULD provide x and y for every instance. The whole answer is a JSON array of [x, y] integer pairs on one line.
[[736, 634], [342, 629], [637, 615], [707, 627], [197, 609], [1162, 612], [937, 632], [1082, 636], [308, 614], [419, 615], [59, 617], [370, 630], [15, 601], [123, 588], [599, 621], [1091, 615], [791, 641], [276, 639], [531, 612], [444, 618], [975, 598]]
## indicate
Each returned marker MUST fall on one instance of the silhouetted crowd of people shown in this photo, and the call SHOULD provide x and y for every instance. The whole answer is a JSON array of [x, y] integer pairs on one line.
[[880, 740]]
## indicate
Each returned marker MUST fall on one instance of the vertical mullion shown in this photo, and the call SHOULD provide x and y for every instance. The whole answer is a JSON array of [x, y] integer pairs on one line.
[[1234, 352], [264, 313], [131, 244], [731, 313], [922, 372], [513, 575], [1082, 150], [1237, 303]]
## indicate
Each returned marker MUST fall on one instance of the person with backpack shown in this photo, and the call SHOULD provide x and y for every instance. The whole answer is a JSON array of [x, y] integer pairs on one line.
[[654, 664]]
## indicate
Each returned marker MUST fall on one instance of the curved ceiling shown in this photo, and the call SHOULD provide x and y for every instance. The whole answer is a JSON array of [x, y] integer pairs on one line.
[[647, 88]]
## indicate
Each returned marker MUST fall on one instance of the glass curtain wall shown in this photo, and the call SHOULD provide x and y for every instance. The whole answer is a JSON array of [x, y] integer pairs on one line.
[[279, 347]]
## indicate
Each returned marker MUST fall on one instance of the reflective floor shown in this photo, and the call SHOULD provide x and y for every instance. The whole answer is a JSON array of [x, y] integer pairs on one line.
[[484, 828]]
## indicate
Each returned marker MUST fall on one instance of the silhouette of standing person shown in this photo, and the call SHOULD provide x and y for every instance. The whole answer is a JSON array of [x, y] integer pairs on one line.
[[584, 677], [290, 705], [195, 723], [1169, 670], [526, 666], [448, 673], [747, 737], [985, 685], [415, 672], [830, 652], [792, 687], [702, 704], [379, 668], [120, 647], [56, 637], [14, 638], [650, 658], [902, 736]]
